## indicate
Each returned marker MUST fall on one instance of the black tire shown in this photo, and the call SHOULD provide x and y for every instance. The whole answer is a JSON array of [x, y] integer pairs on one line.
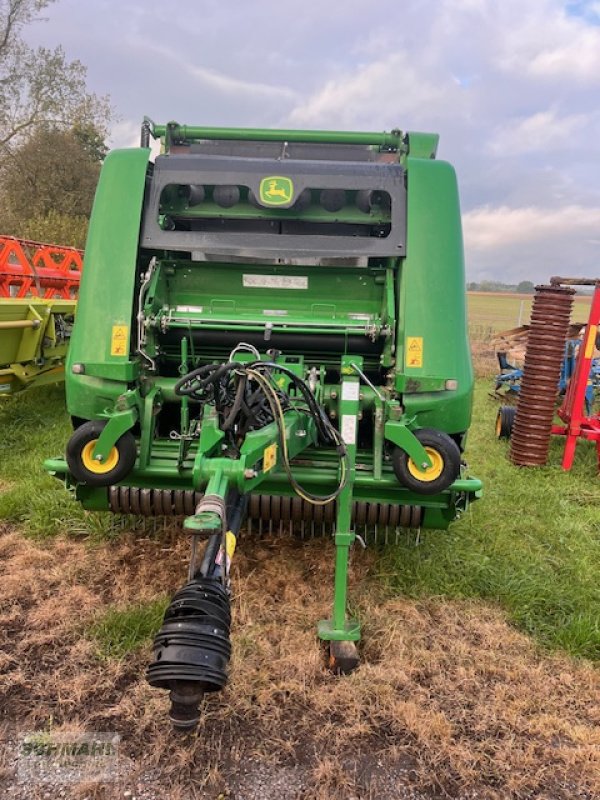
[[446, 468], [119, 465], [505, 419]]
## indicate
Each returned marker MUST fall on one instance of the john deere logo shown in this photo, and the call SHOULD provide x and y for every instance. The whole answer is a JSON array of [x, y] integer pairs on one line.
[[276, 191]]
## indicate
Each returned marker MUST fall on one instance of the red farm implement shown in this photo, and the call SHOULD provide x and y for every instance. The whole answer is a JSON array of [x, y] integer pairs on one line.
[[33, 269], [576, 424], [531, 425], [39, 284]]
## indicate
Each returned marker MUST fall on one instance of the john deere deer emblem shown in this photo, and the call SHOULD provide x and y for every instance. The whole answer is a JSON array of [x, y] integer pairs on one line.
[[276, 191]]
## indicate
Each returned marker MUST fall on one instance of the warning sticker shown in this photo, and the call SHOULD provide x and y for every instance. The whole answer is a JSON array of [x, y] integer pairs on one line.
[[269, 457], [349, 428], [119, 343], [591, 341], [350, 390], [414, 351]]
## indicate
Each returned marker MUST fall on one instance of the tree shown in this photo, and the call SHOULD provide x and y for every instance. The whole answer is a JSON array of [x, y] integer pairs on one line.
[[47, 186], [39, 87], [525, 287]]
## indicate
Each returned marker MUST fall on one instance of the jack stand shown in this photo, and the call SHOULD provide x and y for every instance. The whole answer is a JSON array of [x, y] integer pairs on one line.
[[340, 632]]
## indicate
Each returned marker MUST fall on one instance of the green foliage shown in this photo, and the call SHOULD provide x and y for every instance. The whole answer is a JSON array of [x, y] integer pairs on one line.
[[120, 631], [531, 544], [47, 186], [525, 287], [53, 227], [52, 171], [39, 86], [52, 133]]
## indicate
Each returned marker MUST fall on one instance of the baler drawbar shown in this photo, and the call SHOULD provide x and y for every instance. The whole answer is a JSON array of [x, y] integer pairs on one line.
[[271, 328]]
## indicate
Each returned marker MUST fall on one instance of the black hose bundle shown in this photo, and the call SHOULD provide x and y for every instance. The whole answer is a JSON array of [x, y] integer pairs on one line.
[[239, 402], [247, 398]]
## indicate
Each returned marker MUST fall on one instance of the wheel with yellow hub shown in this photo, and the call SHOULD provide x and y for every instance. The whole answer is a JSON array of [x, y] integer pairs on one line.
[[86, 469], [505, 419], [444, 455]]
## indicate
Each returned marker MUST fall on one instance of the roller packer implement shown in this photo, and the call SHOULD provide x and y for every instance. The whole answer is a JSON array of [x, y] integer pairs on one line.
[[271, 336]]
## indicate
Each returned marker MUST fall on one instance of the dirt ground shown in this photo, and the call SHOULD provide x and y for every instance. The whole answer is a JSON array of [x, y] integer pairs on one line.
[[449, 701]]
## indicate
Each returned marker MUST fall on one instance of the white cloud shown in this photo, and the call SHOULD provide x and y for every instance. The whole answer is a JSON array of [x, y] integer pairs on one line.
[[125, 133], [233, 86], [546, 42], [490, 228], [540, 132], [384, 91]]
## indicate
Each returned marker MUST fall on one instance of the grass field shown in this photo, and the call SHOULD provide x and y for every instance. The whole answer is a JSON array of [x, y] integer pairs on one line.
[[491, 312], [480, 655]]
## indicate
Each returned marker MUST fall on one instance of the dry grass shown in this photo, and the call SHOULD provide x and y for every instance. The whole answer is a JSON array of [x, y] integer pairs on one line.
[[449, 698], [485, 361]]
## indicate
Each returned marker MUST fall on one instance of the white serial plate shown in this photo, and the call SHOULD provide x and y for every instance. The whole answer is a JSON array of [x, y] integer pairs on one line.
[[189, 309], [275, 281]]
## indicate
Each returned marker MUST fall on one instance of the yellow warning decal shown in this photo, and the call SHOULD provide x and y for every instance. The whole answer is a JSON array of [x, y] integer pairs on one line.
[[269, 457], [119, 341], [591, 341], [414, 351], [230, 542], [227, 552]]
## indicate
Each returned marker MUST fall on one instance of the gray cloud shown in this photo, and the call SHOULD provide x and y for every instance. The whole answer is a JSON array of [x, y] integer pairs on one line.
[[512, 88]]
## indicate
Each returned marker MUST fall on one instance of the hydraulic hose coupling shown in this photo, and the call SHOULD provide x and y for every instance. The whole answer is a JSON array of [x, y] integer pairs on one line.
[[191, 651]]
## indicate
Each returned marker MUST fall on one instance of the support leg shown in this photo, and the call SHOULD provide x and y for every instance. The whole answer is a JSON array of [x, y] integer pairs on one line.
[[340, 632]]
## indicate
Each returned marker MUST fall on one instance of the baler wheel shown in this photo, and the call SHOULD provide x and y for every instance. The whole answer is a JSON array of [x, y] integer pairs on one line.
[[445, 463], [505, 419], [96, 473], [343, 657]]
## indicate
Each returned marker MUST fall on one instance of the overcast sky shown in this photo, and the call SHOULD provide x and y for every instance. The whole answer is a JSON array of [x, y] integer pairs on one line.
[[511, 86]]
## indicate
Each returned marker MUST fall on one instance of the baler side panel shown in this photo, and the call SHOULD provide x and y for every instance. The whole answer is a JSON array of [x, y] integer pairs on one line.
[[433, 342], [106, 296]]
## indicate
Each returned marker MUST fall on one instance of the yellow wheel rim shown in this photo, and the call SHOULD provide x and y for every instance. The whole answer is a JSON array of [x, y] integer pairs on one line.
[[98, 467], [433, 472], [498, 425]]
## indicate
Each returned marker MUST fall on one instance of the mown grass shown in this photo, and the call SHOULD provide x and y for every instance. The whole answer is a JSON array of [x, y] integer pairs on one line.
[[531, 544], [119, 631]]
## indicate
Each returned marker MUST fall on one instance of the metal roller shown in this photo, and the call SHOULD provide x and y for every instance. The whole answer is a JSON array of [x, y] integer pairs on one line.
[[271, 512], [152, 502], [531, 432]]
